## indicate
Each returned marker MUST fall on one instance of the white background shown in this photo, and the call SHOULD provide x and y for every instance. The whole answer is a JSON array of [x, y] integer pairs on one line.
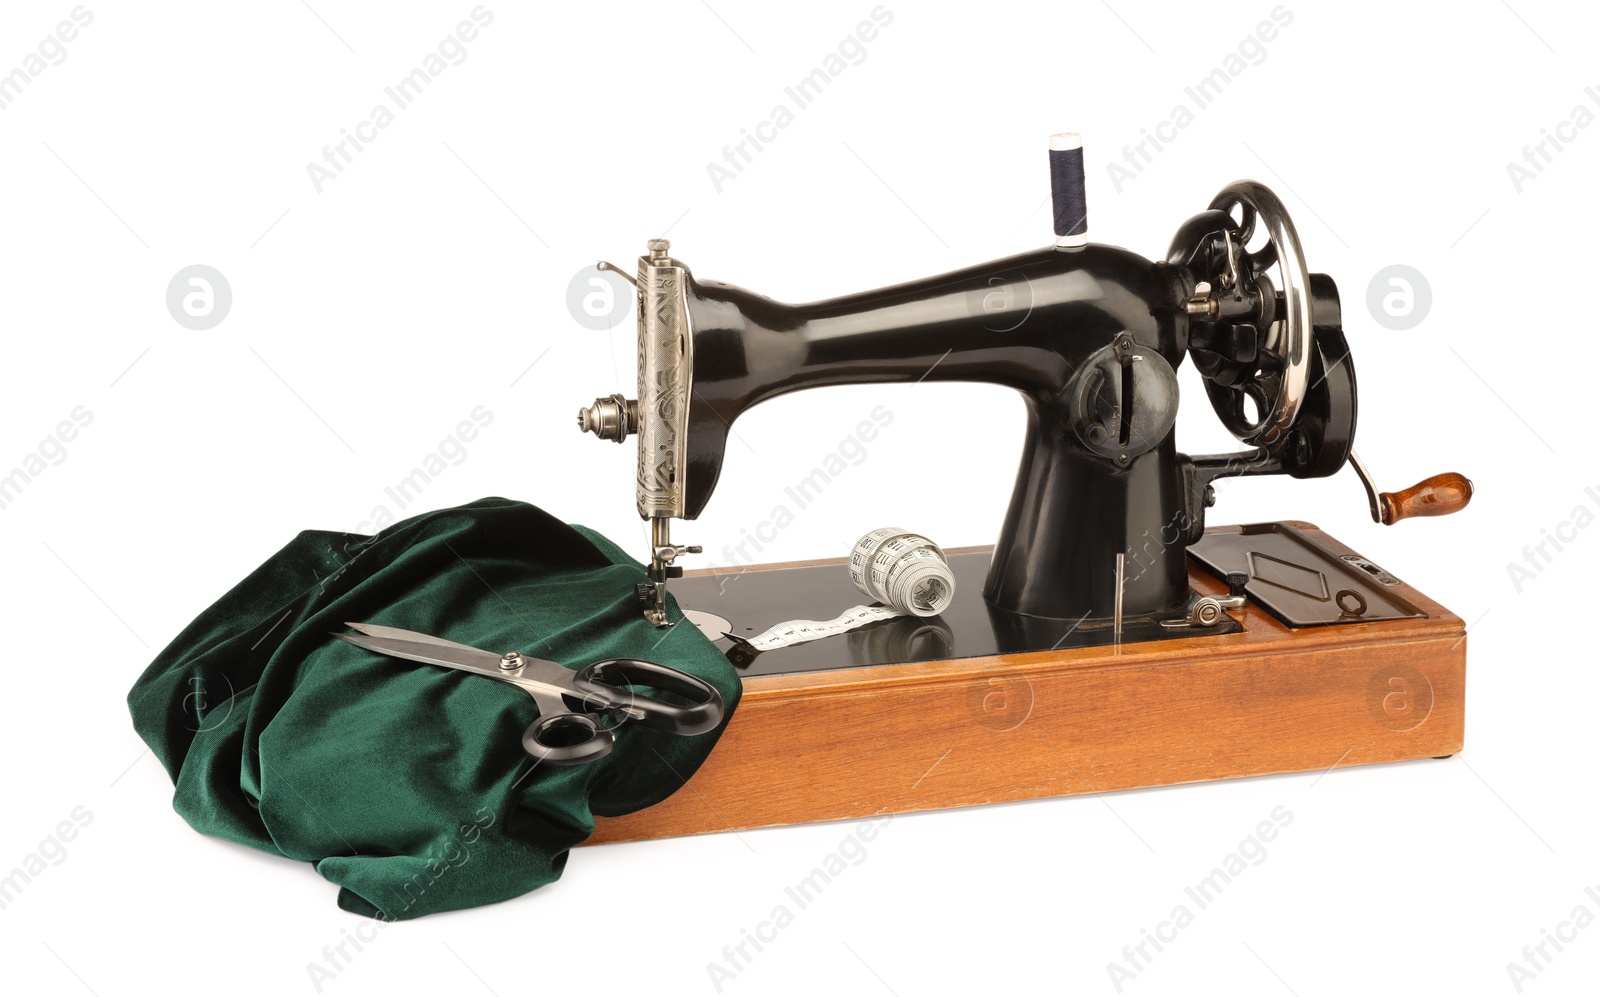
[[370, 318]]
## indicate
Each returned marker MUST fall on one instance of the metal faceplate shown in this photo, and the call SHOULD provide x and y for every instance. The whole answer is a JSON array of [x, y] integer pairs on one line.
[[666, 364]]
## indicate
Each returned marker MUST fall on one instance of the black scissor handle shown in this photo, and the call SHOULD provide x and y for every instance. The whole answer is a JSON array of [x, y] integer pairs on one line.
[[605, 681], [567, 739]]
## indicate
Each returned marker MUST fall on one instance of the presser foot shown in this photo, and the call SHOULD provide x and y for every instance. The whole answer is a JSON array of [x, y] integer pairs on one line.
[[653, 596], [663, 552]]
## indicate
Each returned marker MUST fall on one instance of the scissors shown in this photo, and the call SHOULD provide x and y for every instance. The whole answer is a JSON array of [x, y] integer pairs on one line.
[[561, 736]]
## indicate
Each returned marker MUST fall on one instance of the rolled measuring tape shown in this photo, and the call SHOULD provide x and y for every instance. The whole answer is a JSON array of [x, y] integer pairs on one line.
[[903, 571]]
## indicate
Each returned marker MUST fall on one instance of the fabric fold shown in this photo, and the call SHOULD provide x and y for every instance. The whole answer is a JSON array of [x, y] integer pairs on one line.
[[405, 783]]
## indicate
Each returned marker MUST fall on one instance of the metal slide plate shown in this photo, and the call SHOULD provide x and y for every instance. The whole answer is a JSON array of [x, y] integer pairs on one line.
[[1298, 581]]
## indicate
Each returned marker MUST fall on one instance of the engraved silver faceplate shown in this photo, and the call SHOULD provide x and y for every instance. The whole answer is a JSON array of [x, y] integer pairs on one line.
[[666, 365]]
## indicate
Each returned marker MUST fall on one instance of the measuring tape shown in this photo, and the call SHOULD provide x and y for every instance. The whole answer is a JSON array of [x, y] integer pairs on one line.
[[905, 572]]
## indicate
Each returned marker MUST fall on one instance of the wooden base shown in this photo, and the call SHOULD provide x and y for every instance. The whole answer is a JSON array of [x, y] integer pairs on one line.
[[831, 745]]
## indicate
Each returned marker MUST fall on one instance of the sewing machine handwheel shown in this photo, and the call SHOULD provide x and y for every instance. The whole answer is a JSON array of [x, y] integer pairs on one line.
[[1254, 348]]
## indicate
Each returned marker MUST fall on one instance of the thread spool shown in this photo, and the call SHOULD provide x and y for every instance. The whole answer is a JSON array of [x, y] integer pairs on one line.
[[1067, 189]]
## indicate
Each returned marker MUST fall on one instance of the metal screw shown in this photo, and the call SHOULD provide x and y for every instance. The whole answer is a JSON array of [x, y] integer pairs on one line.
[[658, 249], [510, 661]]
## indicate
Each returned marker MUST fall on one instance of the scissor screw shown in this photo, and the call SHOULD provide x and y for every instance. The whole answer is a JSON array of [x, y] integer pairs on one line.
[[510, 661]]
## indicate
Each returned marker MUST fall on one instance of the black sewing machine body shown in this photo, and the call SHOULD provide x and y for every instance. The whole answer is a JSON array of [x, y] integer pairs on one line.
[[1100, 471], [1105, 508], [1109, 639]]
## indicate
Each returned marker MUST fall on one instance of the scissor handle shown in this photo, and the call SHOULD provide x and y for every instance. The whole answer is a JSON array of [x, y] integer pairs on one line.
[[606, 679], [567, 739]]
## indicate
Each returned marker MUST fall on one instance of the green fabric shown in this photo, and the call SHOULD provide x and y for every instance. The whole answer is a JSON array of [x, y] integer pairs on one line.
[[406, 784]]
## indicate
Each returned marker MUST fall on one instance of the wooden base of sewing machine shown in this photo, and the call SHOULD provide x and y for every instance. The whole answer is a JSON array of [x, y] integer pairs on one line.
[[853, 742]]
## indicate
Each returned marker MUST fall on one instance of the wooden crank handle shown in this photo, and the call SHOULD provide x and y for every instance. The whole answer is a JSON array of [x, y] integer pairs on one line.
[[1439, 495]]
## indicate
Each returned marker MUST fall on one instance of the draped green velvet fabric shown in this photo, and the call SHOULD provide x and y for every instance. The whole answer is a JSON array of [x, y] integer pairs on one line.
[[405, 783]]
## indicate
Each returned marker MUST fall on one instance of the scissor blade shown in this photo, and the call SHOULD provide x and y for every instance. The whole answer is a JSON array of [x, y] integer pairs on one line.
[[376, 630], [448, 655]]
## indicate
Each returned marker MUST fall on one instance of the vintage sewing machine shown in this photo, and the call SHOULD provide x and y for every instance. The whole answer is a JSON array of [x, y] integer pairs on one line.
[[1108, 640]]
